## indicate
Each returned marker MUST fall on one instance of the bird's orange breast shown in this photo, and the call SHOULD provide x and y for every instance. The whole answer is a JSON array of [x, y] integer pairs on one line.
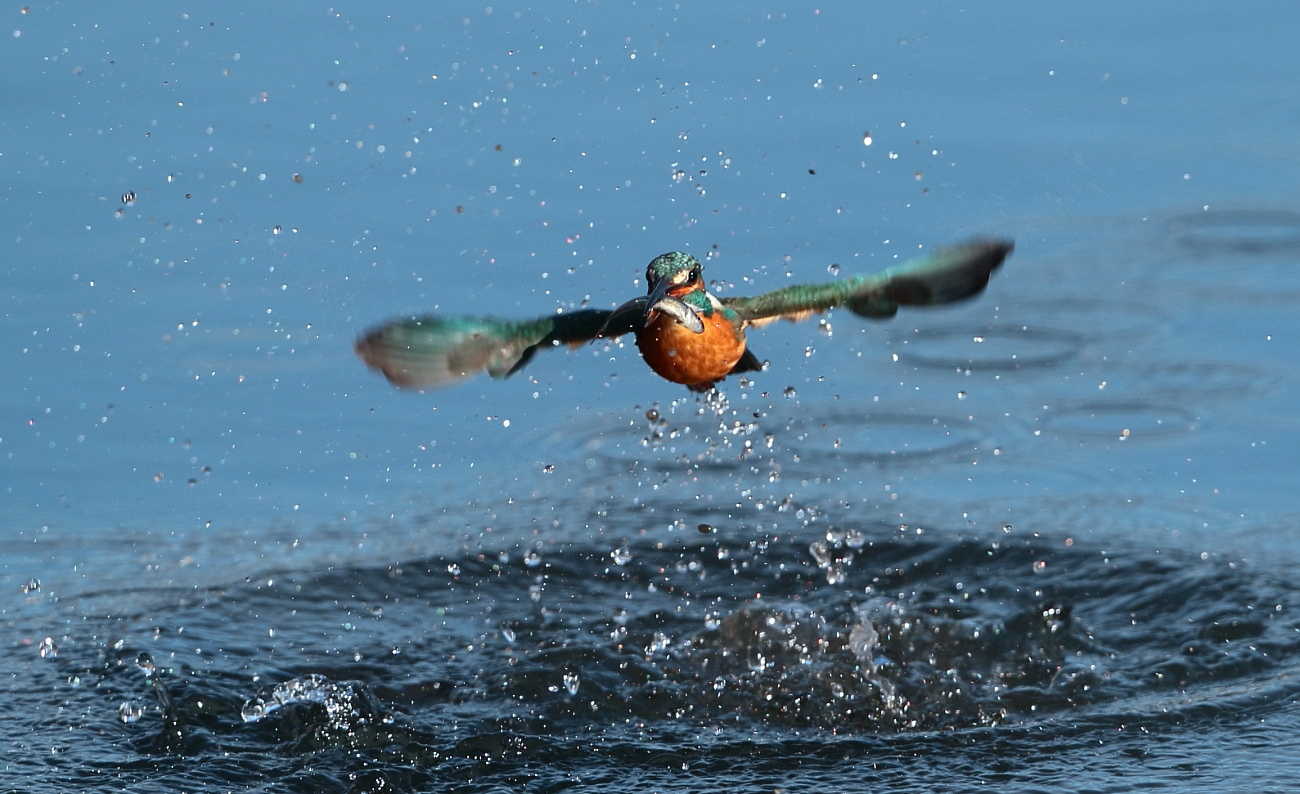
[[682, 356]]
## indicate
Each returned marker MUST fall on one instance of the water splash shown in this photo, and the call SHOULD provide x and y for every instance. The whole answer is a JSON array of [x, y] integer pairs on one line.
[[571, 682], [622, 555], [313, 688], [47, 648], [834, 554]]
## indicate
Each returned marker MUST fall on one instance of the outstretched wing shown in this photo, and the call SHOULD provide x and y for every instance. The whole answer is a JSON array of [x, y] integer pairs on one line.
[[946, 276], [432, 351]]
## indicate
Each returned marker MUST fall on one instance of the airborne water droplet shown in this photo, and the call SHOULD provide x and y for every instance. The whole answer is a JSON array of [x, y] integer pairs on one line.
[[47, 648]]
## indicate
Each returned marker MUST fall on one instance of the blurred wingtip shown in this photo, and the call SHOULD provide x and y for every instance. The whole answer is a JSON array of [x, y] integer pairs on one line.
[[430, 352], [373, 351]]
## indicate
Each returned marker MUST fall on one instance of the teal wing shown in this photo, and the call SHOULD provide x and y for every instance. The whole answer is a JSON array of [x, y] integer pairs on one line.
[[432, 351], [946, 276]]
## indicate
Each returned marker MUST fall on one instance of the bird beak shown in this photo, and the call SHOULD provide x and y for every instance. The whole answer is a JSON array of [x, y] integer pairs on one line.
[[657, 295], [676, 308]]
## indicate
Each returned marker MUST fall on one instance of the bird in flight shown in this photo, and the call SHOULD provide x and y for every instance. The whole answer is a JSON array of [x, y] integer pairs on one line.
[[684, 333]]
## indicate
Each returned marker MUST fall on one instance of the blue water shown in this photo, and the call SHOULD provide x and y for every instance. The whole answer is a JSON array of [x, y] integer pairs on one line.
[[1042, 540]]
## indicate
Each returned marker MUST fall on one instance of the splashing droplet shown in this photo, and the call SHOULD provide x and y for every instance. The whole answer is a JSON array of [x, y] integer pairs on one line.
[[252, 710]]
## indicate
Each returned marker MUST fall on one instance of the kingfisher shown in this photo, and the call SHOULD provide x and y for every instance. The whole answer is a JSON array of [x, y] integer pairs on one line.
[[685, 333]]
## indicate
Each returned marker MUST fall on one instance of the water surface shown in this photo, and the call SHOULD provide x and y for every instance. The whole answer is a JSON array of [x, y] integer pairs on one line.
[[1038, 541]]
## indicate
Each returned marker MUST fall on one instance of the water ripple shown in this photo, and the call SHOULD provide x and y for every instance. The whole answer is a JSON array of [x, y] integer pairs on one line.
[[882, 437], [1239, 231], [1124, 420], [996, 348]]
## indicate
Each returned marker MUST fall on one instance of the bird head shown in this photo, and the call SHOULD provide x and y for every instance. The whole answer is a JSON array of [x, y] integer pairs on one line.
[[674, 274], [671, 278]]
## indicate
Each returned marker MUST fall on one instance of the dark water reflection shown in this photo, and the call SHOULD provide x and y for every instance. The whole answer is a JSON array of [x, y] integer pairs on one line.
[[661, 661]]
